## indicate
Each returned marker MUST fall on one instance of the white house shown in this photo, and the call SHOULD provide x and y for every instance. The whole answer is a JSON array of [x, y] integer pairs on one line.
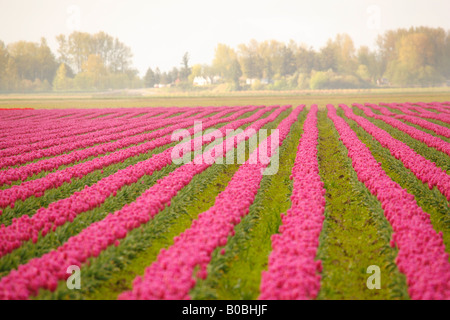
[[202, 81]]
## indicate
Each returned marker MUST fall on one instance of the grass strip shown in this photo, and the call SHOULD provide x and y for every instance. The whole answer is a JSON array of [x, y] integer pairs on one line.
[[114, 269], [236, 274], [355, 234], [431, 201], [33, 203], [415, 126], [439, 158], [28, 250]]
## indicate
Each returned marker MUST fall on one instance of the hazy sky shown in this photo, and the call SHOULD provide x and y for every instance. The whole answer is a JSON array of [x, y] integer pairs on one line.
[[160, 31]]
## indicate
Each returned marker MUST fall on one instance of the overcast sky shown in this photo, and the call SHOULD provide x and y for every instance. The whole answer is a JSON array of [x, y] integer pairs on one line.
[[160, 31]]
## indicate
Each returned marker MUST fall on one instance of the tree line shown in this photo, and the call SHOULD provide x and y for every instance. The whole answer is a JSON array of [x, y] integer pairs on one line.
[[418, 56], [403, 57], [83, 62]]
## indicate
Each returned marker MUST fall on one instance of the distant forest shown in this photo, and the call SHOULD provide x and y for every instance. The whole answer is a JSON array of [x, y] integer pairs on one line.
[[419, 56]]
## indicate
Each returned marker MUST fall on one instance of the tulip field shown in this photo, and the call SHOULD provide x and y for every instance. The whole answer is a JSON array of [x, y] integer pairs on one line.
[[97, 204]]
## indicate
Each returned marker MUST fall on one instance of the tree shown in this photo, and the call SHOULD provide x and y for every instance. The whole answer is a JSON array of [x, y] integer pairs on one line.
[[370, 60], [169, 78], [93, 75], [197, 71], [271, 58], [32, 61], [76, 49], [339, 55], [416, 57], [327, 57], [319, 80], [345, 53], [174, 74], [94, 65], [303, 81], [305, 58], [157, 76], [185, 70], [387, 47], [102, 44], [23, 53], [163, 78], [63, 49], [79, 49], [415, 50], [69, 72], [41, 86], [4, 57], [149, 78], [46, 62], [235, 73], [11, 82], [61, 81], [120, 57], [363, 72], [99, 60], [223, 59], [288, 62], [252, 64]]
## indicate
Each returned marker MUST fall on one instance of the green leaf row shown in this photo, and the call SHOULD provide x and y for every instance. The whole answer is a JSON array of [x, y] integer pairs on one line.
[[431, 201], [441, 123], [439, 158], [114, 269], [54, 239], [32, 204], [236, 274], [416, 126], [355, 234]]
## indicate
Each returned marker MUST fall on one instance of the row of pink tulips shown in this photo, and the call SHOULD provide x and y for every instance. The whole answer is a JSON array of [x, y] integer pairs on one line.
[[63, 125], [424, 169], [46, 271], [421, 257], [26, 127], [79, 129], [425, 109], [428, 139], [64, 210], [438, 129], [435, 106], [421, 107], [405, 108], [171, 275], [293, 272], [423, 113], [41, 114], [45, 120], [37, 187], [26, 171], [34, 129], [24, 154], [89, 131]]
